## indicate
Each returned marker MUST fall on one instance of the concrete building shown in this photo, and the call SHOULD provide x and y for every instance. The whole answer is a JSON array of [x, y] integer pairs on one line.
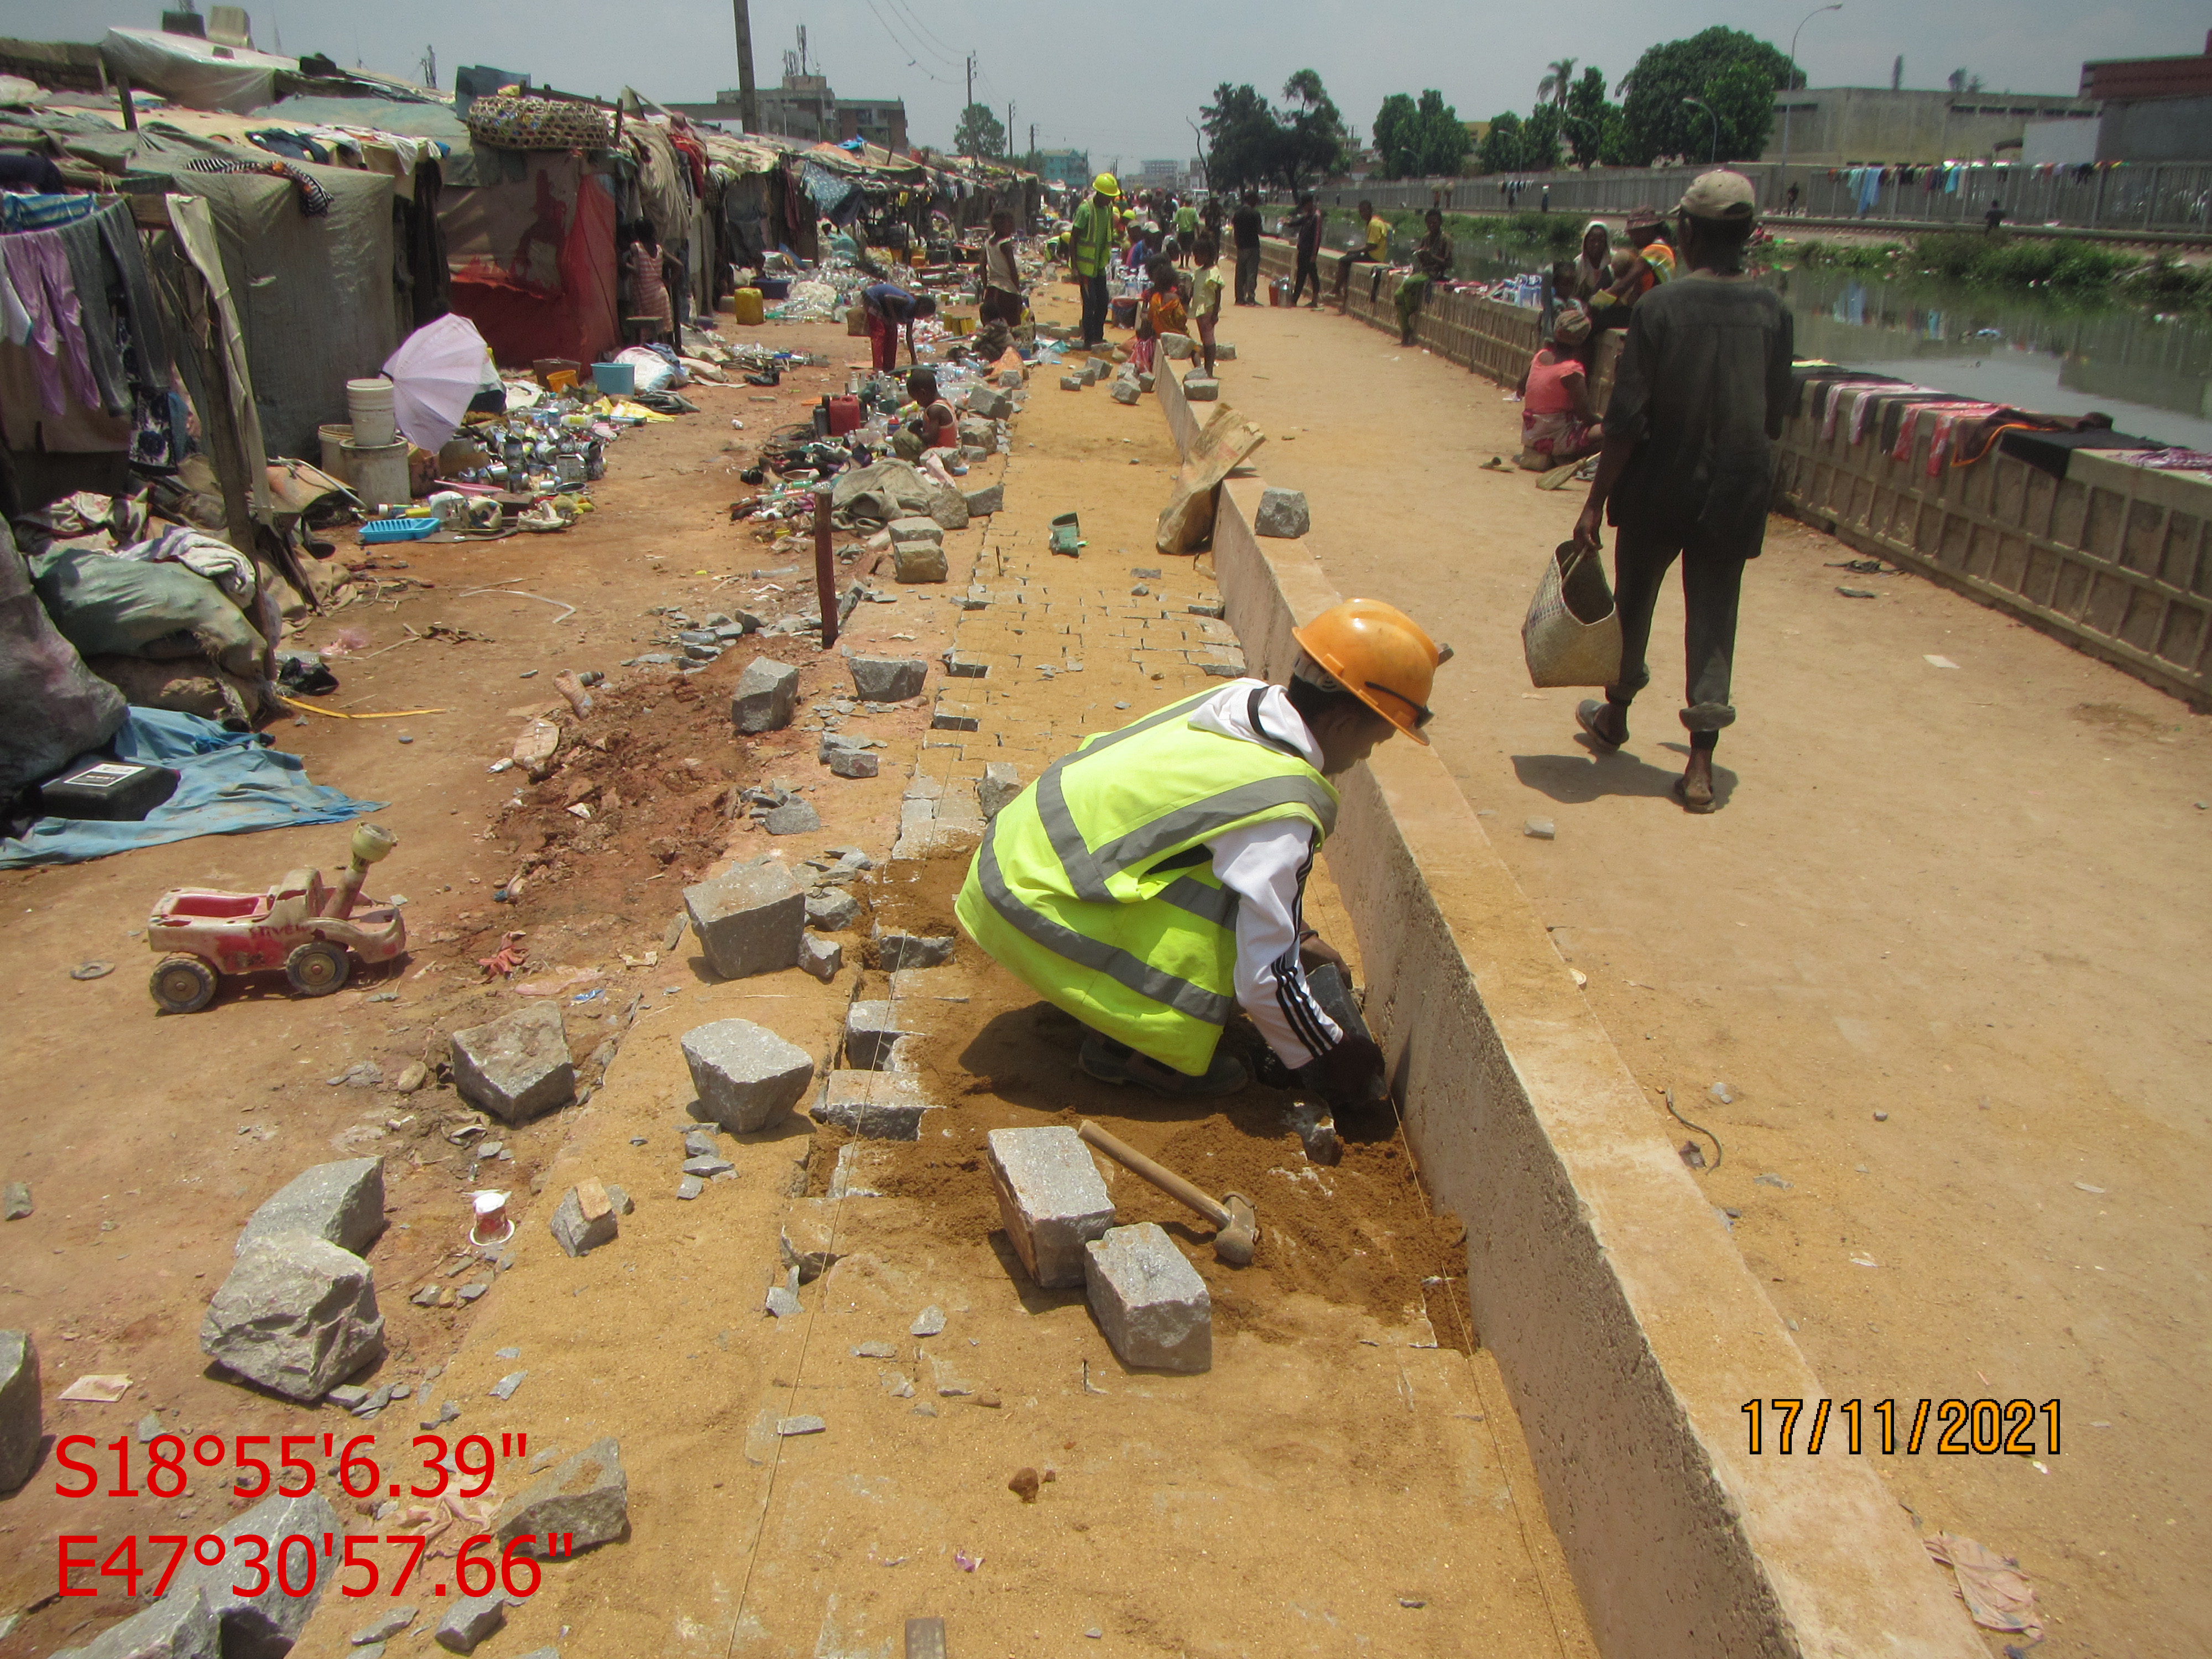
[[1832, 127], [2154, 109], [1064, 166], [804, 106]]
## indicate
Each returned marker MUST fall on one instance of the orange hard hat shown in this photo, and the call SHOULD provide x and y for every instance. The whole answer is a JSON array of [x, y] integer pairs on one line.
[[1379, 654]]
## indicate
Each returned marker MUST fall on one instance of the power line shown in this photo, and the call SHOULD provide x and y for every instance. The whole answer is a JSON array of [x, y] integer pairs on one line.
[[926, 29], [913, 62], [918, 28]]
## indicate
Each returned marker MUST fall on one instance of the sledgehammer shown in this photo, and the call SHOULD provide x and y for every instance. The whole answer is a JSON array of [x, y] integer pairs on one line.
[[1236, 1224]]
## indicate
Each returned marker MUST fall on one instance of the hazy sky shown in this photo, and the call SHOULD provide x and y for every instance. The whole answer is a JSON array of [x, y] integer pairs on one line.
[[1121, 79]]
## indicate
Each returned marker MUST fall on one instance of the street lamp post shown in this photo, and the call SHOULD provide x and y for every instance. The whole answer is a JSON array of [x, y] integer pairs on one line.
[[1713, 148], [1799, 29]]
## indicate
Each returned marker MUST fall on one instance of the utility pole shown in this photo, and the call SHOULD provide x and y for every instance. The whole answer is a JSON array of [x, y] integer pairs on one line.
[[1010, 128], [2100, 180], [748, 97], [971, 81]]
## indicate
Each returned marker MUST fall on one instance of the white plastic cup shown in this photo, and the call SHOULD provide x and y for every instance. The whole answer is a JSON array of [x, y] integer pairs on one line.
[[369, 404]]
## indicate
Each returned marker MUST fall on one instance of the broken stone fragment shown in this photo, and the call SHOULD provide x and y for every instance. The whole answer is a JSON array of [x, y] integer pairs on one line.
[[341, 1203], [297, 1314], [585, 1218], [748, 1079], [896, 951], [748, 922], [793, 817], [767, 696], [987, 500], [383, 1627], [848, 762], [873, 1105], [821, 957], [22, 1427], [473, 1620], [1282, 513], [831, 910], [808, 1238], [180, 1625], [872, 1035], [1125, 389], [1150, 1303], [998, 785], [267, 1624], [1201, 389], [1051, 1197], [516, 1066], [888, 679], [15, 1200]]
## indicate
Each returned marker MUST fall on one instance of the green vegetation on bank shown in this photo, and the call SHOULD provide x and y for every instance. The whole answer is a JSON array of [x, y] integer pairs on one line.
[[2059, 265]]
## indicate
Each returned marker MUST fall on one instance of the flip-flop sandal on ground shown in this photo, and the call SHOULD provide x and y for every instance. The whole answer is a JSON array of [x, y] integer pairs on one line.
[[1700, 802], [1558, 477], [1586, 717]]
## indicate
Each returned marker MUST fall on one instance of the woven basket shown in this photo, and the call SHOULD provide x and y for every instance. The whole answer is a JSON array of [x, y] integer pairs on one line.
[[1572, 633], [513, 121]]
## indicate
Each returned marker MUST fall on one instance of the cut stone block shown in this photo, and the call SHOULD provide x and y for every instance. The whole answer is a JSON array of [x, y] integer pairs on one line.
[[873, 1105], [1150, 1303], [948, 506], [961, 667], [1011, 379], [1074, 382], [888, 679], [180, 1625], [262, 1627], [516, 1066], [919, 561], [1201, 389], [808, 1238], [898, 951], [585, 1218], [793, 817], [987, 403], [950, 714], [916, 529], [1177, 346], [979, 435], [1146, 380], [22, 1423], [1051, 1197], [831, 909], [475, 1619], [584, 1496], [1126, 390], [987, 500], [821, 957], [767, 696], [1282, 513], [1223, 352], [852, 762], [872, 1035], [999, 785], [341, 1203], [749, 921], [748, 1077], [297, 1314]]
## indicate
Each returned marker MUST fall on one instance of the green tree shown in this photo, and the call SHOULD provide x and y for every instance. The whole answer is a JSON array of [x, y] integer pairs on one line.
[[1656, 122], [1557, 78], [1397, 135], [1241, 136], [1313, 140], [980, 132], [1540, 139], [1501, 145], [1588, 112], [1442, 135]]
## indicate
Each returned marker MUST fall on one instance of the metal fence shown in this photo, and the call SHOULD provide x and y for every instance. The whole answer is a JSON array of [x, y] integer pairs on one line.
[[2162, 195]]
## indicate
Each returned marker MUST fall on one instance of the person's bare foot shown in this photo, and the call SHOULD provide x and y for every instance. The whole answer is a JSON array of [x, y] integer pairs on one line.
[[1696, 788]]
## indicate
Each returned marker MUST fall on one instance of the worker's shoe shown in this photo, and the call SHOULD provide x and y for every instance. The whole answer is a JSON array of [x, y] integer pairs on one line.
[[1116, 1062]]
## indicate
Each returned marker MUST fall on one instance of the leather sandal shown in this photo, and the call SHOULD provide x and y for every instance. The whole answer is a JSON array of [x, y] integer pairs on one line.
[[1586, 714]]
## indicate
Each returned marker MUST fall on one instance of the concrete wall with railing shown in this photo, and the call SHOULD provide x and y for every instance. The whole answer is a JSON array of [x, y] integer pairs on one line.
[[2168, 196], [2114, 559]]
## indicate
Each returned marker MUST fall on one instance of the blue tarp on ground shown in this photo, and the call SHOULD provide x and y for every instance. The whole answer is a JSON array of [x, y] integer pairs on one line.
[[231, 782]]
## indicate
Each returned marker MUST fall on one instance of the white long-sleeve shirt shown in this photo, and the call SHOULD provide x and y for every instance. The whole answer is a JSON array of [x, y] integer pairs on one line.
[[1266, 865]]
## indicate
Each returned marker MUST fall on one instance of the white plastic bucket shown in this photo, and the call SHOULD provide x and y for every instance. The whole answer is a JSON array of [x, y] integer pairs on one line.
[[379, 474], [369, 404]]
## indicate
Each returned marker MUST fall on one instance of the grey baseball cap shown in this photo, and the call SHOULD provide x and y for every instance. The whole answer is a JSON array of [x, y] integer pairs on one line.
[[1720, 195]]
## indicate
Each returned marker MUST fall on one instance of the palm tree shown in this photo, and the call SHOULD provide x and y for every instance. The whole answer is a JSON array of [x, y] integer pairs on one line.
[[1556, 82]]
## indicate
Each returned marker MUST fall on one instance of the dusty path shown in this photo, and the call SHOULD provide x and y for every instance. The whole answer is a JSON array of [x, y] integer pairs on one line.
[[1942, 947]]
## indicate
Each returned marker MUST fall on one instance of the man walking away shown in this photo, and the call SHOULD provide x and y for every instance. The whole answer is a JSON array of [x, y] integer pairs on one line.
[[1308, 224], [1375, 250], [1185, 230], [1687, 468], [1090, 249], [1244, 226]]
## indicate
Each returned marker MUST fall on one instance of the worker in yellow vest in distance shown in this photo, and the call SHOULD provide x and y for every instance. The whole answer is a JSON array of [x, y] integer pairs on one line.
[[1152, 882], [1091, 238]]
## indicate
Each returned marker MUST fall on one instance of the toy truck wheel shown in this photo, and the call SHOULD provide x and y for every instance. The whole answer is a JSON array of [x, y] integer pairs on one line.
[[316, 970], [183, 985]]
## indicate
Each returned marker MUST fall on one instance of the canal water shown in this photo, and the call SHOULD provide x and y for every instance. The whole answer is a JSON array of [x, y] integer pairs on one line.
[[2057, 356]]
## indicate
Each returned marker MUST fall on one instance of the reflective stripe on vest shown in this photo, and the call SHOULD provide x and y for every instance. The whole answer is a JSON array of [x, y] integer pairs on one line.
[[1093, 885]]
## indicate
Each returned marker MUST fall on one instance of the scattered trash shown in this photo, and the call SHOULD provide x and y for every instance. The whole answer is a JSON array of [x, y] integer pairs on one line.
[[1540, 829], [1859, 593], [966, 1562], [92, 970], [1997, 1594], [98, 1389]]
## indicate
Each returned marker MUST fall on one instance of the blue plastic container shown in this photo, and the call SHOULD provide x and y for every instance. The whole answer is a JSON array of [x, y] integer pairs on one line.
[[399, 530], [615, 380]]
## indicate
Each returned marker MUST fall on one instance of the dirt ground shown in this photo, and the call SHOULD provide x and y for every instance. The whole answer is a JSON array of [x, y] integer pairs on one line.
[[1262, 1508], [1939, 951]]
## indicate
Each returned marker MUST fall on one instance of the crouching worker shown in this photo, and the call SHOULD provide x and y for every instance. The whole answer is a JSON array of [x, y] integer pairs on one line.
[[1152, 883]]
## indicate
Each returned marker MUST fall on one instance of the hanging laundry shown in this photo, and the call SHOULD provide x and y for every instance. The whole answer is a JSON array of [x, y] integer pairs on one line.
[[39, 271], [314, 200], [23, 212]]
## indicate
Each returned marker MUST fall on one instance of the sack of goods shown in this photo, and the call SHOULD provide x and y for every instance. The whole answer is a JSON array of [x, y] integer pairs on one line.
[[1572, 633], [510, 120]]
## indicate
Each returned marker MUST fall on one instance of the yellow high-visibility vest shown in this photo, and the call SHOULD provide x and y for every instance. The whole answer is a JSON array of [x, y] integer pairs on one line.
[[1093, 885]]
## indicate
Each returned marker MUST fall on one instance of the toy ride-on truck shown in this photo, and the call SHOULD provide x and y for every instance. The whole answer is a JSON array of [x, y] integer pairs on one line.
[[300, 925]]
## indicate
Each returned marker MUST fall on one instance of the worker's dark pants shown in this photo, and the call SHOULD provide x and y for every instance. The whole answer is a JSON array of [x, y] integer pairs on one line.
[[1247, 275], [1308, 267], [1356, 256], [1712, 579], [1094, 308]]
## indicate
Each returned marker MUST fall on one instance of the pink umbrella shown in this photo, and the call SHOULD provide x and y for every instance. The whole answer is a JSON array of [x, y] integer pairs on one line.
[[435, 375]]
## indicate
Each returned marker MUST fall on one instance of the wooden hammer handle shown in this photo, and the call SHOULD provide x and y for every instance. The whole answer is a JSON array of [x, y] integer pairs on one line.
[[1165, 1179]]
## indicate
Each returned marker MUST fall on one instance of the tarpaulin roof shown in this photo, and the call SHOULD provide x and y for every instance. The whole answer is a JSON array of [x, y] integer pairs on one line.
[[190, 70]]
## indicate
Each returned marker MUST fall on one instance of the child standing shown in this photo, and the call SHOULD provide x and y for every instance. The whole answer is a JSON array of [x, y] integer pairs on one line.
[[1206, 294]]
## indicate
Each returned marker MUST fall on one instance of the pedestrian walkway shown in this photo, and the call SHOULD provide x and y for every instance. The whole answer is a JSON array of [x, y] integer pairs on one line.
[[1932, 974]]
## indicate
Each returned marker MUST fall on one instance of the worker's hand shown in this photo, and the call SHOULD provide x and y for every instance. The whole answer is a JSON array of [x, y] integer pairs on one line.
[[1314, 951], [1588, 525], [1350, 1075]]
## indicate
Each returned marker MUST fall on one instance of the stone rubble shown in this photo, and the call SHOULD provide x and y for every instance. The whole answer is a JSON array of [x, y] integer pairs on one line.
[[586, 1495]]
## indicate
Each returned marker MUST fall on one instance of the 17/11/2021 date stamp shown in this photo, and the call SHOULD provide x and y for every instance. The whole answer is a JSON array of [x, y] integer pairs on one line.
[[1949, 1428], [293, 1565]]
